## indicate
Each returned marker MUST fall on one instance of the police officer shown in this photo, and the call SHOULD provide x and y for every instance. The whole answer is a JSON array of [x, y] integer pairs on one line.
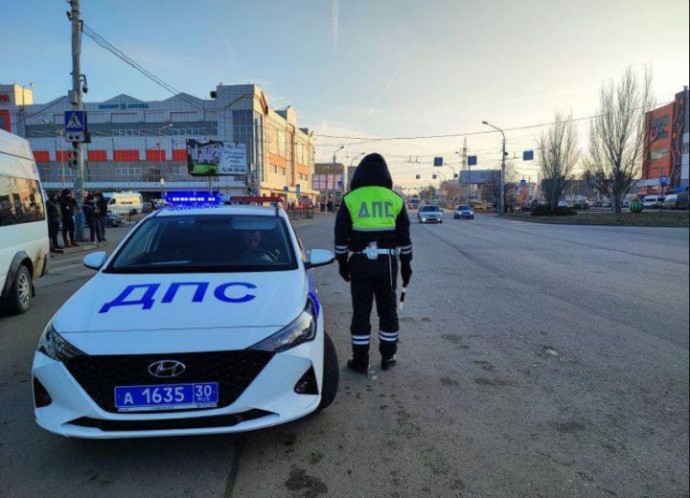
[[373, 225]]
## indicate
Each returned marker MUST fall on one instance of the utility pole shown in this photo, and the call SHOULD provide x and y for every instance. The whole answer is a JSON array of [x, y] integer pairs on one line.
[[77, 106], [501, 200], [334, 173], [465, 168]]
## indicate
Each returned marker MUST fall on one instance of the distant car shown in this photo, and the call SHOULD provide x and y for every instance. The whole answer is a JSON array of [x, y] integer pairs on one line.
[[463, 211], [671, 201], [160, 204], [430, 214], [653, 201], [562, 204], [113, 219]]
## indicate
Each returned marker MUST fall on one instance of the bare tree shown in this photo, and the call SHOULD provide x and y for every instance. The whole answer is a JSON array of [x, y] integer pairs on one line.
[[491, 190], [427, 193], [558, 155], [616, 136]]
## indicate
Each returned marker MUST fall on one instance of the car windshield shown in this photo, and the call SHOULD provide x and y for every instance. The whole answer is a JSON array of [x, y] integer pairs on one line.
[[463, 208], [430, 208], [206, 243]]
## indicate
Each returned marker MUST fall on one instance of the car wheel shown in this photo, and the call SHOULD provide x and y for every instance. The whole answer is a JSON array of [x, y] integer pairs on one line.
[[331, 373], [19, 298]]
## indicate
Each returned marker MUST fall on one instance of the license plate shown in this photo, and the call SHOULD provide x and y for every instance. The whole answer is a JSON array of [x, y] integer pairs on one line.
[[166, 397]]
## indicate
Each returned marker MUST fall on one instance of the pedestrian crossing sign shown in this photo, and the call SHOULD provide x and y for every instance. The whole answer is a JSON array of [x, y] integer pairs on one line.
[[76, 128], [75, 121]]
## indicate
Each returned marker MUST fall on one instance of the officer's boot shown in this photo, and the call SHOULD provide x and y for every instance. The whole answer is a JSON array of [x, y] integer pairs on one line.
[[360, 359], [388, 350]]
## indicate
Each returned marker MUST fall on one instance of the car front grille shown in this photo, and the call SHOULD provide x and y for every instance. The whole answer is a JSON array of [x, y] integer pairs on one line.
[[234, 371], [170, 424]]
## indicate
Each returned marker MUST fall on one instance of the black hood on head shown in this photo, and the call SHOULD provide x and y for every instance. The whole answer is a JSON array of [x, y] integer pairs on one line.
[[372, 172]]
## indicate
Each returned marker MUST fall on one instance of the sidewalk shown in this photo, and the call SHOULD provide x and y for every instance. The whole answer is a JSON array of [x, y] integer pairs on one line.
[[113, 235], [316, 220]]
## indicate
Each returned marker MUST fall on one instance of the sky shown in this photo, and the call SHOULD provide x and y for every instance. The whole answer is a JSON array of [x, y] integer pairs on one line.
[[363, 68]]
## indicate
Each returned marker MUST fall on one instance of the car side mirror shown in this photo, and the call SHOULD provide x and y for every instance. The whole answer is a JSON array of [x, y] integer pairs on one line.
[[319, 257], [94, 260]]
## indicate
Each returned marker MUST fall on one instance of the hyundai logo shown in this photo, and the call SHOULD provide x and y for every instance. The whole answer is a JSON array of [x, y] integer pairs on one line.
[[166, 368]]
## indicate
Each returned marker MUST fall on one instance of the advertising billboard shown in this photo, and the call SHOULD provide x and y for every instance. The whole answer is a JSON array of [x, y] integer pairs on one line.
[[216, 158]]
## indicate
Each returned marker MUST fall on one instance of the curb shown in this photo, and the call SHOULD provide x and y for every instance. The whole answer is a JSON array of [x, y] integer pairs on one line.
[[82, 248]]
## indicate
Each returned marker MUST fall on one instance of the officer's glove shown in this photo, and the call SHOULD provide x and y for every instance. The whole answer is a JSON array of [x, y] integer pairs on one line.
[[405, 272], [343, 267]]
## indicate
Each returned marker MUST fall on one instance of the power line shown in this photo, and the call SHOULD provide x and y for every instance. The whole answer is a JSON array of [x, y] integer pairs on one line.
[[365, 140], [102, 42]]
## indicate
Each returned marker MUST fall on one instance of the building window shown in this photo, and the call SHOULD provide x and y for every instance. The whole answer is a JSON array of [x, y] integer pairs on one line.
[[658, 154]]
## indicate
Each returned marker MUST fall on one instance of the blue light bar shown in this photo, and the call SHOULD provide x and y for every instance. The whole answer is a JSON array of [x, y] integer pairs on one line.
[[193, 198]]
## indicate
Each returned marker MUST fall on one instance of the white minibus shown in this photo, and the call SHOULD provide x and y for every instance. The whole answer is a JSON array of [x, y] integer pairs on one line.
[[124, 202], [24, 243]]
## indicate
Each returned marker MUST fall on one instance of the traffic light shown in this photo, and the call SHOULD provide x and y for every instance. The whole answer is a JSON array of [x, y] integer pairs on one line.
[[417, 177], [73, 158]]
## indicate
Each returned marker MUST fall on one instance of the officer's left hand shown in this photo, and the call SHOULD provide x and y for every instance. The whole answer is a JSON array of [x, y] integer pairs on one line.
[[406, 273], [344, 272]]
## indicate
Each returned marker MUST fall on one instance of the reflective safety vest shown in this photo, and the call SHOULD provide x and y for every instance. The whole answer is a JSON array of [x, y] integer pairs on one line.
[[373, 209]]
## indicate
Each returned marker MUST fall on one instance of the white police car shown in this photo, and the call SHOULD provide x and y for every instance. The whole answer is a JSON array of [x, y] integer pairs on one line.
[[202, 321]]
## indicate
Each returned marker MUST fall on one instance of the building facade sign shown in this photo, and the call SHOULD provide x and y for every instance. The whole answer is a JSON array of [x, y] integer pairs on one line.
[[138, 105]]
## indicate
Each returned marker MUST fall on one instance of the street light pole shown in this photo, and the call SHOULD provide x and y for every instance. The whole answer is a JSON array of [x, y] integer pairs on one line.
[[60, 133], [31, 84], [334, 163], [160, 157], [503, 168]]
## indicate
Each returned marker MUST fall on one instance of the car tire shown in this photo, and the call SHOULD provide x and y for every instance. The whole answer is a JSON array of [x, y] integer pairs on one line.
[[18, 300], [331, 373]]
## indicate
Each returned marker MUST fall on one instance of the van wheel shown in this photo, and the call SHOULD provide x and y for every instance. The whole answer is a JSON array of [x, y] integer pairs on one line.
[[331, 373], [19, 298]]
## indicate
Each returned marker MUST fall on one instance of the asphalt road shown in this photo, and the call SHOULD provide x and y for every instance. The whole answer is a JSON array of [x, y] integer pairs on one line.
[[535, 360]]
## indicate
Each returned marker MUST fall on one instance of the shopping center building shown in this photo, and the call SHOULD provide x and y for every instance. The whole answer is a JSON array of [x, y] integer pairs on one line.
[[141, 145], [665, 163]]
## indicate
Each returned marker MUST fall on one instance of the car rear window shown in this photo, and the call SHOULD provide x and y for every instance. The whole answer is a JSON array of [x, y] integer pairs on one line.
[[430, 208], [206, 243]]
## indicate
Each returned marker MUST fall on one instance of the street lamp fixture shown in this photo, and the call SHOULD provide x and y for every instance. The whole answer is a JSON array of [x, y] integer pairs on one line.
[[501, 200]]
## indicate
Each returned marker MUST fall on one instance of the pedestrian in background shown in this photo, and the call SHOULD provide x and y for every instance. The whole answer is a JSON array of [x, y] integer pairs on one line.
[[53, 210], [67, 206], [102, 213], [372, 223], [89, 208]]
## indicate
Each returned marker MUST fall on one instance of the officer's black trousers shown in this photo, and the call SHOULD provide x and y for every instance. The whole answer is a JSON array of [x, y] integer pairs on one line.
[[373, 279]]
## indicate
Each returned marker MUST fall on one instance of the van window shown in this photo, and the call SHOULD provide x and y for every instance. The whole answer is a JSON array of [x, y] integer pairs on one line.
[[21, 201]]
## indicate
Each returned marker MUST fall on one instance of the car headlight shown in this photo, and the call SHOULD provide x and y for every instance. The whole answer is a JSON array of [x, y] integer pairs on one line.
[[53, 345], [301, 330]]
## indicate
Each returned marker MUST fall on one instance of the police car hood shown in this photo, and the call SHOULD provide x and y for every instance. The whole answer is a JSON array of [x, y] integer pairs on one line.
[[117, 314]]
